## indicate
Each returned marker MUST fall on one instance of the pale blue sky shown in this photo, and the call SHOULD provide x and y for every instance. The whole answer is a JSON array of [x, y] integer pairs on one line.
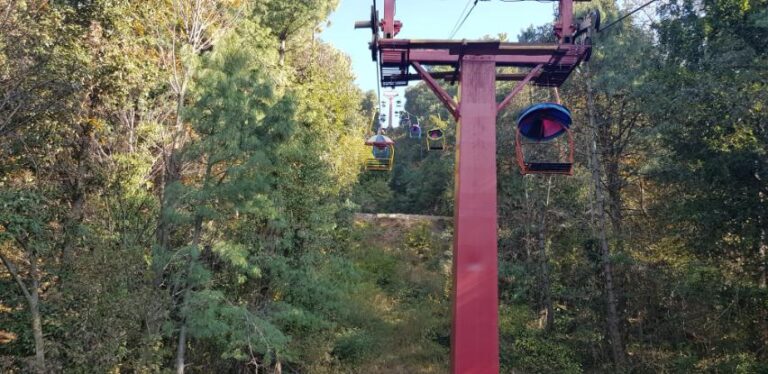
[[429, 19]]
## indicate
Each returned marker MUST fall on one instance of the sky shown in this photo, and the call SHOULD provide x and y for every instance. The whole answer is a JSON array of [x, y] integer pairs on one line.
[[429, 19]]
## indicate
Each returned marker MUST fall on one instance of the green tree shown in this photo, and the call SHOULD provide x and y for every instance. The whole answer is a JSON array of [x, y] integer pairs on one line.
[[238, 122]]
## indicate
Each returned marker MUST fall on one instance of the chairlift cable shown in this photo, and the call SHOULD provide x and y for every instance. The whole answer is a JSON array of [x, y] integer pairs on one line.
[[521, 1], [459, 19], [378, 93], [464, 20], [626, 15], [378, 80]]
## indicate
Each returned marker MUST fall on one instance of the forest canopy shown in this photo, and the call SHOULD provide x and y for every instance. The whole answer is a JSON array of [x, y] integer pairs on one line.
[[181, 185]]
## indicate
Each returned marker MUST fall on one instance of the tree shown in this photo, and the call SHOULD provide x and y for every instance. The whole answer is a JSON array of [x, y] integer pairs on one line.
[[714, 141], [187, 30], [286, 19], [238, 121], [25, 238]]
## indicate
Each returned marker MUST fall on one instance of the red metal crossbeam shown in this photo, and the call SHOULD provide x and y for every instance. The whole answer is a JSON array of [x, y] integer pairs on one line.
[[558, 60], [475, 47], [441, 52], [441, 94], [444, 57], [518, 88], [450, 75]]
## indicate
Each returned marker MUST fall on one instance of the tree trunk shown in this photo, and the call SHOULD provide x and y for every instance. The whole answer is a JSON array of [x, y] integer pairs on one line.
[[763, 279], [282, 51], [72, 226], [37, 325], [77, 190], [615, 204], [182, 348], [763, 285], [545, 281], [196, 235], [614, 334], [642, 197], [528, 220], [610, 159], [172, 162], [171, 174], [37, 330], [32, 295]]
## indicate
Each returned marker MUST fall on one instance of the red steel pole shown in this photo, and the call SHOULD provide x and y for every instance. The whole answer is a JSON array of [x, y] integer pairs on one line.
[[391, 96], [475, 338]]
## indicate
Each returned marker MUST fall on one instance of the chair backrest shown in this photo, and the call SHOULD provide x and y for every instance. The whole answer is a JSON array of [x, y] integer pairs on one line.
[[415, 131], [381, 151], [544, 121], [435, 134]]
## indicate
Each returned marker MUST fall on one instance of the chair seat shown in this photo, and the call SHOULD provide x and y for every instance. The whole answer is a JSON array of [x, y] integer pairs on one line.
[[377, 164], [549, 167]]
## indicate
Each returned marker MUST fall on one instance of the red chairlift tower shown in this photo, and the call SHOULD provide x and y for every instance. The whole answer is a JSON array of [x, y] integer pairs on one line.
[[475, 336], [391, 95]]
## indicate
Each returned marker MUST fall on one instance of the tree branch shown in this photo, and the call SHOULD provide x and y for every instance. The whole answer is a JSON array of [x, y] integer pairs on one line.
[[12, 269]]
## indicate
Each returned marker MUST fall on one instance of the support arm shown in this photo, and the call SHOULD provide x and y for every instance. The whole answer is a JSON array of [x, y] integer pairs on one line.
[[441, 94], [519, 87]]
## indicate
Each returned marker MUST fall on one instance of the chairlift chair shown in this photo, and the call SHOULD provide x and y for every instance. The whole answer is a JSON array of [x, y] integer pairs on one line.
[[540, 125], [435, 140], [414, 131], [382, 152]]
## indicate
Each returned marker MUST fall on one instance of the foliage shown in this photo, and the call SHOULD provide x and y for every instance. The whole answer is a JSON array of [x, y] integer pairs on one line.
[[178, 183]]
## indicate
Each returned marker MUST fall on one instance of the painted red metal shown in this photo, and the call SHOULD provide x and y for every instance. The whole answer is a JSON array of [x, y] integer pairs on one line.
[[557, 66], [441, 94], [475, 47], [444, 57], [564, 27], [475, 338], [450, 75], [389, 25], [519, 87], [391, 95]]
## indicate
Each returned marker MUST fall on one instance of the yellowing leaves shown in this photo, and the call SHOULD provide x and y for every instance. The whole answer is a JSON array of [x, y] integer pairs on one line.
[[6, 337]]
